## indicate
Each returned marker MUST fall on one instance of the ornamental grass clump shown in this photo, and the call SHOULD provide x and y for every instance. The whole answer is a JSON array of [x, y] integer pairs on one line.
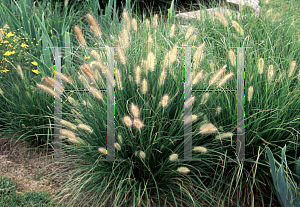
[[148, 164]]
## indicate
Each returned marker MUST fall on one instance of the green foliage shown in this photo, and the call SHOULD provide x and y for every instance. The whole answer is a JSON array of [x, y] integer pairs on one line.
[[286, 189], [9, 197]]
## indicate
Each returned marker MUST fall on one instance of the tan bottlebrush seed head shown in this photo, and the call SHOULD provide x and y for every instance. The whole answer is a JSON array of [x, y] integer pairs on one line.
[[221, 17], [99, 65], [137, 123], [217, 75], [50, 82], [198, 56], [118, 79], [83, 80], [126, 20], [292, 68], [162, 77], [183, 170], [1, 92], [72, 101], [225, 79], [95, 55], [85, 68], [118, 146], [198, 77], [232, 57], [121, 55], [120, 139], [20, 71], [189, 102], [173, 54], [46, 89], [237, 27], [164, 101], [147, 23], [85, 127], [138, 72], [172, 31], [79, 35], [68, 133], [125, 38], [144, 86], [151, 62], [142, 154], [97, 94], [224, 135], [173, 157], [208, 128], [204, 98], [95, 27], [64, 77], [134, 110], [260, 65], [74, 112], [155, 20], [270, 72], [102, 150], [218, 110], [190, 119], [127, 121], [200, 149], [76, 140], [250, 93], [189, 32], [68, 124], [134, 24]]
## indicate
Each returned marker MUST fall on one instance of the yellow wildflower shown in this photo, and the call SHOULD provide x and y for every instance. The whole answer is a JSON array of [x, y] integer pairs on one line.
[[24, 45], [85, 57], [34, 63], [36, 71], [5, 41], [9, 34], [5, 70]]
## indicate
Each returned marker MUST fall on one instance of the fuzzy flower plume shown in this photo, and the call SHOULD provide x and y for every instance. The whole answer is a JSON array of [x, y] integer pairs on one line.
[[237, 27], [138, 72], [98, 65], [232, 57], [292, 68], [50, 82], [198, 77], [20, 71], [94, 25], [137, 123], [208, 128], [270, 73], [189, 102], [68, 133], [118, 146], [134, 110], [204, 98], [95, 55], [250, 93], [118, 79], [85, 127], [102, 150], [64, 77], [165, 100], [199, 55], [189, 32], [85, 68], [142, 154], [183, 170], [68, 124], [221, 17], [46, 89], [217, 75], [121, 55], [144, 86], [97, 94], [173, 157], [224, 135], [79, 35], [134, 24], [200, 149], [124, 39], [76, 140], [126, 20], [127, 121], [172, 31], [225, 79], [162, 77], [151, 62], [261, 66]]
